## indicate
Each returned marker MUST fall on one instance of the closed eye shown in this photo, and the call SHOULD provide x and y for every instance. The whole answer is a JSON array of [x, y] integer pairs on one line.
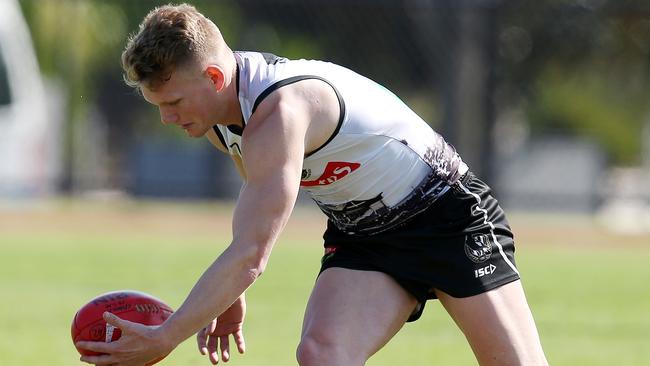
[[171, 103]]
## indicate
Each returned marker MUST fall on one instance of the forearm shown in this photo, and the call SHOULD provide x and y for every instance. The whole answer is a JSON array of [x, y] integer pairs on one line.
[[262, 210], [219, 286]]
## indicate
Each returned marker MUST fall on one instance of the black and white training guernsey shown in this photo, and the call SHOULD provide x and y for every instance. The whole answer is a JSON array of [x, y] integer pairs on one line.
[[382, 165]]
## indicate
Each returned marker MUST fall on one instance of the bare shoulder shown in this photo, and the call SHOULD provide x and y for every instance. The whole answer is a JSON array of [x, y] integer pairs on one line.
[[311, 106]]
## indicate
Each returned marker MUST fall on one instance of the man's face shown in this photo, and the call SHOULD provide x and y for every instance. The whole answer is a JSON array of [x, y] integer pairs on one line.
[[187, 100]]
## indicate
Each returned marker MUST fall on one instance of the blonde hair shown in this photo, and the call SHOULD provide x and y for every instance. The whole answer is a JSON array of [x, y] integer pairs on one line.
[[168, 37]]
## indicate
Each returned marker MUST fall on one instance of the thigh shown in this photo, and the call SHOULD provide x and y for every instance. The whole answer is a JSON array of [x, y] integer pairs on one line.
[[498, 325], [358, 310]]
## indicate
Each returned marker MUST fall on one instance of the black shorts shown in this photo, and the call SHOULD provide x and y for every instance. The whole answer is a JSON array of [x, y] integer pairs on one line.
[[462, 245]]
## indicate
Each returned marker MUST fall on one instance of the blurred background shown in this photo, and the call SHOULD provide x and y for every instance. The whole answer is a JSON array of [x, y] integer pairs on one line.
[[548, 101]]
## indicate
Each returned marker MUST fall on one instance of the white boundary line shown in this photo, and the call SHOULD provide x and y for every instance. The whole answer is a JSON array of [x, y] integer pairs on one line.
[[488, 222]]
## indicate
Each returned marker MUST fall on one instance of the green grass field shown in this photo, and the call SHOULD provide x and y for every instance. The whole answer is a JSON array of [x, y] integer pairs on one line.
[[588, 289]]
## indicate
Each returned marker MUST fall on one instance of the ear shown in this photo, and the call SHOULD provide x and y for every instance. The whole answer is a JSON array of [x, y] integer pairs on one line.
[[217, 76]]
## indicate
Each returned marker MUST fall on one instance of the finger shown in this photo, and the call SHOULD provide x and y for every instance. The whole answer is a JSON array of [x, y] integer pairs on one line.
[[202, 340], [117, 322], [239, 341], [104, 360], [202, 337], [101, 347], [224, 344], [212, 350], [213, 325]]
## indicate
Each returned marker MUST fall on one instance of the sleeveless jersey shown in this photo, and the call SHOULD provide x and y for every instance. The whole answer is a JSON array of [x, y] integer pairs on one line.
[[382, 165]]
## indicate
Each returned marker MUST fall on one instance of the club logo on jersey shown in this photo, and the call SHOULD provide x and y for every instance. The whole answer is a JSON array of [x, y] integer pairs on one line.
[[334, 171], [306, 173], [478, 247]]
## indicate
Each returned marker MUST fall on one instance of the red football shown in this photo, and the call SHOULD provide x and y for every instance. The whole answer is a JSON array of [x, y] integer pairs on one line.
[[135, 306]]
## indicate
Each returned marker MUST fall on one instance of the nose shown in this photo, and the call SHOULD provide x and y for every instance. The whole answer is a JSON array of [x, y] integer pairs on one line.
[[168, 117]]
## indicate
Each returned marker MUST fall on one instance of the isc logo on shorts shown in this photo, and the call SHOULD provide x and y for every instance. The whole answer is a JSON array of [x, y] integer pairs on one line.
[[485, 271]]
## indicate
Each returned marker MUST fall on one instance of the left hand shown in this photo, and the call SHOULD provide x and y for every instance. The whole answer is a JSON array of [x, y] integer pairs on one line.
[[138, 345], [215, 335]]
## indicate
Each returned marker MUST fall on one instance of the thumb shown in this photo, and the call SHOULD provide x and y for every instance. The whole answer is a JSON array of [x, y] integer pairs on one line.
[[117, 322]]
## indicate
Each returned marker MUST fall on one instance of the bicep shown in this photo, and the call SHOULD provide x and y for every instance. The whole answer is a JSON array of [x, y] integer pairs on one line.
[[272, 154], [274, 148]]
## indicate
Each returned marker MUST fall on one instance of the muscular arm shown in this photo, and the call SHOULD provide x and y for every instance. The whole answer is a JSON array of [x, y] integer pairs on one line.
[[273, 149], [290, 121]]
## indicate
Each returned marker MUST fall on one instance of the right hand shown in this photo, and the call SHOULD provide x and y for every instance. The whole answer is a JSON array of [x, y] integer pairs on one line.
[[216, 334]]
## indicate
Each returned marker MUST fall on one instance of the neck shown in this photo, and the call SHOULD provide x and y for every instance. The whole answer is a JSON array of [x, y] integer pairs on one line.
[[234, 108]]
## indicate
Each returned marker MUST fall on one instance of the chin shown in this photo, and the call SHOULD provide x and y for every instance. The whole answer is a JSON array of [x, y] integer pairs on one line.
[[196, 133]]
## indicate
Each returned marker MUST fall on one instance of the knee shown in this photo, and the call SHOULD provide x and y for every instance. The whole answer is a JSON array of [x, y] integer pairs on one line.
[[313, 351], [320, 351]]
